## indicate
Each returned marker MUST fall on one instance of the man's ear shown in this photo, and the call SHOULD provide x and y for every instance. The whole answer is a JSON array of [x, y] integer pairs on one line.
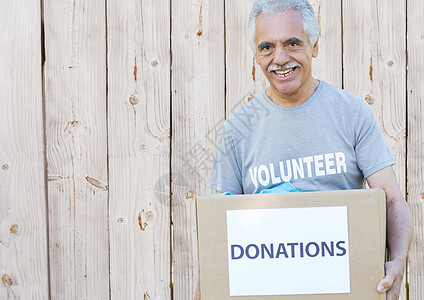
[[315, 49], [255, 57]]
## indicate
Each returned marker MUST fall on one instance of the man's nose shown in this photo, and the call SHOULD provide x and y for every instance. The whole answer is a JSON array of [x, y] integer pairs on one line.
[[281, 56]]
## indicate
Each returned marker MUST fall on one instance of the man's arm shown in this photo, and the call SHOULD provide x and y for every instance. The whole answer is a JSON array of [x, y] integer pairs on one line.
[[399, 231]]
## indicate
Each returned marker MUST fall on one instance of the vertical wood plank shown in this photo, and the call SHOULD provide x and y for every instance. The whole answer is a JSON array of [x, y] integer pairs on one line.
[[75, 89], [198, 95], [23, 232], [139, 148], [415, 155], [244, 77], [328, 66], [375, 68]]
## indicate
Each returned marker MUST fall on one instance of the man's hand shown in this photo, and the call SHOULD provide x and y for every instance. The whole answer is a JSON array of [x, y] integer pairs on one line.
[[399, 231], [391, 283]]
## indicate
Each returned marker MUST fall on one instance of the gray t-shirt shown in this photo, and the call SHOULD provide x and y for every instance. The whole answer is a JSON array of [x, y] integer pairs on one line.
[[330, 142]]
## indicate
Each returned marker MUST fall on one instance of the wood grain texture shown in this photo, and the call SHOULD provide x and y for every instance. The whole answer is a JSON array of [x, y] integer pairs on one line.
[[139, 148], [328, 65], [375, 68], [198, 95], [75, 95], [23, 229], [244, 77], [415, 167]]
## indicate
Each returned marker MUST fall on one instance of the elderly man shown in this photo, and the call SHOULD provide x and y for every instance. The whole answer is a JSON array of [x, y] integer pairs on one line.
[[307, 132]]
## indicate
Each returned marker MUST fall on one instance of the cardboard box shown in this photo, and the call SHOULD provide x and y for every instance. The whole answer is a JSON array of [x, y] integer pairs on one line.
[[305, 246]]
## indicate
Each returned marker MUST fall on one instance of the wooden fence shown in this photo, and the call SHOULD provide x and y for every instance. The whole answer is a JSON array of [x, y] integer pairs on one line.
[[109, 115]]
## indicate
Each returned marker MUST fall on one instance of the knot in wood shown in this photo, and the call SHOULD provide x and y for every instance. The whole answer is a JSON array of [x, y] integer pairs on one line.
[[390, 63], [96, 183], [144, 217], [5, 167], [14, 229], [369, 99], [142, 148], [133, 100], [6, 279], [190, 195]]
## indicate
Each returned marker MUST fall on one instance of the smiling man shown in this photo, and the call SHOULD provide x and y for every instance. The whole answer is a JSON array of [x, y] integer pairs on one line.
[[306, 132]]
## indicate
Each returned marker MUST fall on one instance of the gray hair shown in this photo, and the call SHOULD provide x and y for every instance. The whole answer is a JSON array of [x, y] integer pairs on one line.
[[277, 7]]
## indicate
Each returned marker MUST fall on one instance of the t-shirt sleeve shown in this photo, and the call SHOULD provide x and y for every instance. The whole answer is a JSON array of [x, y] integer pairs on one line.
[[372, 151], [226, 174]]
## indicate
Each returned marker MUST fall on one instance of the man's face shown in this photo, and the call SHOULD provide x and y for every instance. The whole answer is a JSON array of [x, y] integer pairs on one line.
[[285, 56]]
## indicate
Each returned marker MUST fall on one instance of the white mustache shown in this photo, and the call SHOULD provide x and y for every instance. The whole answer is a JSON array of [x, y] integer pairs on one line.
[[288, 65]]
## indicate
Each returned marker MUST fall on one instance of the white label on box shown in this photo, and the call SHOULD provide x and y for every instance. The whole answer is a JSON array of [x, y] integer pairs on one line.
[[288, 251]]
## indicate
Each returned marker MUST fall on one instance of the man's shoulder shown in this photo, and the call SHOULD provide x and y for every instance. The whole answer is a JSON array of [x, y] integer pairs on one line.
[[341, 96], [340, 91]]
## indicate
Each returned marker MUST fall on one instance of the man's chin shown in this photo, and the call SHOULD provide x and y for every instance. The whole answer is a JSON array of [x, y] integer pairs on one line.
[[286, 91]]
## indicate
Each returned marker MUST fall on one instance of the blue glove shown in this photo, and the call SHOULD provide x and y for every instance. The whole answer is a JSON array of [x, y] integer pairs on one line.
[[285, 187]]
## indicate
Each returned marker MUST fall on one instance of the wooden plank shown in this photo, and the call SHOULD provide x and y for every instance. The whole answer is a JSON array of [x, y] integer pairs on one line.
[[23, 229], [415, 155], [139, 148], [244, 77], [375, 68], [328, 65], [75, 89], [198, 95]]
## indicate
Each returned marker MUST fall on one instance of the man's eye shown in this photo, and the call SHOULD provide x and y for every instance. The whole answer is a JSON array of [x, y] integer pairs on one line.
[[293, 44], [264, 48]]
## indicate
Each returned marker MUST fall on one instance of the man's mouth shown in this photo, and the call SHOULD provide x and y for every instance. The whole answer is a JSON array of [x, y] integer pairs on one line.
[[285, 72]]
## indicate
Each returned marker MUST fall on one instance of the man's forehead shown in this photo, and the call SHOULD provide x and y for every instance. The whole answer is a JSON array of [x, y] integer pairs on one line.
[[279, 28], [291, 15]]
